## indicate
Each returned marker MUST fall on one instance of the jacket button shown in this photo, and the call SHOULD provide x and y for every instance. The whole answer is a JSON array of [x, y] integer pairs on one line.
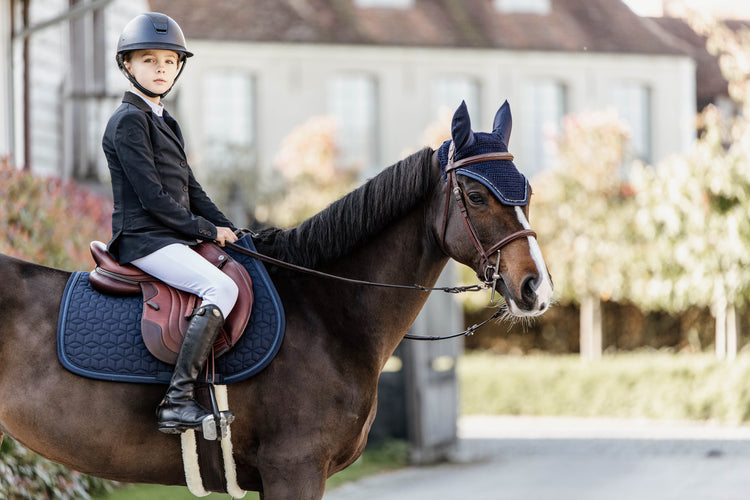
[[183, 163], [185, 188]]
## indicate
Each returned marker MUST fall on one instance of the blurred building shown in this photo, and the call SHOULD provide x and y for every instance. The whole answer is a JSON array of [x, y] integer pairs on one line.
[[59, 82], [723, 9], [711, 87], [383, 68]]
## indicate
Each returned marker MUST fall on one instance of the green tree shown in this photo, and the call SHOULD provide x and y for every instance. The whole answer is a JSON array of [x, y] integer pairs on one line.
[[694, 207], [663, 237], [582, 210], [308, 162]]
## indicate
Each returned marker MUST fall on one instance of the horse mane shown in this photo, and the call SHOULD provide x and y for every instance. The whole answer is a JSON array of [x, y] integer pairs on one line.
[[358, 216]]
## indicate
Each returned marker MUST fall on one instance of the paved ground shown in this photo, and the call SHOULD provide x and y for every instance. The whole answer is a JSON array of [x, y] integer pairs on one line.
[[576, 459]]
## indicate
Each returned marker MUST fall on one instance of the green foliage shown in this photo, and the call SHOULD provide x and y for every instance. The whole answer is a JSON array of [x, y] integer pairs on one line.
[[637, 385], [581, 209], [309, 165], [24, 475], [693, 210], [694, 207], [49, 221], [663, 237]]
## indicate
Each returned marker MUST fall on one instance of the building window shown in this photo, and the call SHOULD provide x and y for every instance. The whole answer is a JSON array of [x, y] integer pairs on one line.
[[82, 89], [228, 113], [353, 102], [449, 91], [523, 6], [633, 103], [385, 4], [544, 105]]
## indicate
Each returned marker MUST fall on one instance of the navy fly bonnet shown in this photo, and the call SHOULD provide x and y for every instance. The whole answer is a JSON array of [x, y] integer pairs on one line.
[[499, 176]]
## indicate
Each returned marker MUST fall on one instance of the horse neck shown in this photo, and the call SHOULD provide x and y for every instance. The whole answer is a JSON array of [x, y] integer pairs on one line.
[[407, 254], [381, 232]]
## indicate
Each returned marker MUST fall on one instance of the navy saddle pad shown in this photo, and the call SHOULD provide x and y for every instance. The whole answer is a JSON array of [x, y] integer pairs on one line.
[[99, 336]]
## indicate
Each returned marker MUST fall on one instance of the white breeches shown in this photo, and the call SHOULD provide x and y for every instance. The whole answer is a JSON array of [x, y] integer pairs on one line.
[[183, 268]]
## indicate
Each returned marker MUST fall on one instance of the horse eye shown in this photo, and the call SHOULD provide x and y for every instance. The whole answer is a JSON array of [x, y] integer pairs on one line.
[[476, 198]]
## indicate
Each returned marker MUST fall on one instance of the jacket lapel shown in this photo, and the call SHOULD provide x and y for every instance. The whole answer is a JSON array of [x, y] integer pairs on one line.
[[164, 126], [171, 125], [168, 125]]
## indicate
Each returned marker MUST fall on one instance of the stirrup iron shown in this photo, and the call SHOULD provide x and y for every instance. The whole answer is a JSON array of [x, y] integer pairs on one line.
[[216, 425]]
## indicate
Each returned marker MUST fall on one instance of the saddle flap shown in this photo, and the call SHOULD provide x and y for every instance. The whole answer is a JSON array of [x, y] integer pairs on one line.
[[166, 315], [167, 311], [235, 324]]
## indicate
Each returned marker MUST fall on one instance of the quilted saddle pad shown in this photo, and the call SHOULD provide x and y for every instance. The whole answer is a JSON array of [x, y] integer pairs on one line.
[[99, 336]]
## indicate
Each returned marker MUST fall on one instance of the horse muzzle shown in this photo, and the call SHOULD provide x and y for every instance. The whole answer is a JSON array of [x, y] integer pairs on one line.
[[533, 297]]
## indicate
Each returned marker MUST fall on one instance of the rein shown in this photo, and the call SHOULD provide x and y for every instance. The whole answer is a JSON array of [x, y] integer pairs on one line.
[[321, 274], [491, 272], [465, 333]]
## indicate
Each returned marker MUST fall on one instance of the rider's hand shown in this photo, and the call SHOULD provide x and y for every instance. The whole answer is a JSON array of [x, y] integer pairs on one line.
[[224, 235]]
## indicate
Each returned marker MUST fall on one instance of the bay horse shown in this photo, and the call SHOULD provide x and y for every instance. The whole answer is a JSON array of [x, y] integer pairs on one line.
[[307, 415]]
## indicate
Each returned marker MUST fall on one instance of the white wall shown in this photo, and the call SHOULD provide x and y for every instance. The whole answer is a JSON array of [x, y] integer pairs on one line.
[[50, 67], [47, 55], [6, 119], [291, 87]]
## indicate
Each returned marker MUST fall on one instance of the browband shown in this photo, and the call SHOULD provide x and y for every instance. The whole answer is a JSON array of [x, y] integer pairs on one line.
[[452, 165], [478, 159]]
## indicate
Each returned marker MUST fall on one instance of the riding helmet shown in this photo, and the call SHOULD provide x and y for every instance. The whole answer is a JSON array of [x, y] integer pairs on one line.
[[151, 30]]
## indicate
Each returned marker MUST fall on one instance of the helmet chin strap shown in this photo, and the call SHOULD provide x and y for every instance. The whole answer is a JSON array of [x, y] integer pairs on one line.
[[131, 78]]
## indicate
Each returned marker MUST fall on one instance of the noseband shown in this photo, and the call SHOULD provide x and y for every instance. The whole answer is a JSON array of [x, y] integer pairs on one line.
[[491, 272]]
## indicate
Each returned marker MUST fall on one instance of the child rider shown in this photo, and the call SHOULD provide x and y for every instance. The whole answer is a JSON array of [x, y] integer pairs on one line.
[[160, 210]]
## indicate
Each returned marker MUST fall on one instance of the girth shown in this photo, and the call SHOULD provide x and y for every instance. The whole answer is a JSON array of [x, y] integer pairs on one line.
[[166, 310]]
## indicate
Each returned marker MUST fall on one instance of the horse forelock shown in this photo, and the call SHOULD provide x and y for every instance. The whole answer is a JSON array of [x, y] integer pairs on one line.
[[350, 222]]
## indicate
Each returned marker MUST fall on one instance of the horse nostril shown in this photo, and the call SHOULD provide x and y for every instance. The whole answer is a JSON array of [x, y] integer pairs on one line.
[[528, 288]]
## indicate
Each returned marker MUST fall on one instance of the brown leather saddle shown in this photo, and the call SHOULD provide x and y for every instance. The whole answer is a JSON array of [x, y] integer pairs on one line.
[[166, 310]]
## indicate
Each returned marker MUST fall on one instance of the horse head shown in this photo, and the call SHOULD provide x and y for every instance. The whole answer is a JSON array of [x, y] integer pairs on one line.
[[484, 223]]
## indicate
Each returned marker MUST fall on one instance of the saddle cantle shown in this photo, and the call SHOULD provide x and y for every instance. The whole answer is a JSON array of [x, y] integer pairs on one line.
[[166, 310]]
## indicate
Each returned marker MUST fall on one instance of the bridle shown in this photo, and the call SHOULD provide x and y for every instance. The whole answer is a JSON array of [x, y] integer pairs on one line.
[[491, 272]]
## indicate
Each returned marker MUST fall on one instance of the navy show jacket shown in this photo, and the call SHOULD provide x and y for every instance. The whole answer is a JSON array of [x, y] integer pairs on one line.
[[157, 200]]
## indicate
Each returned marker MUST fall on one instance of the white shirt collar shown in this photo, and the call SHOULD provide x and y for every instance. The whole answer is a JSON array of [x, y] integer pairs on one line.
[[158, 109]]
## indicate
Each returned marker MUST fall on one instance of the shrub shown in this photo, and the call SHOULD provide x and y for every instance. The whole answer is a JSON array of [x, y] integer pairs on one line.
[[49, 221], [25, 475]]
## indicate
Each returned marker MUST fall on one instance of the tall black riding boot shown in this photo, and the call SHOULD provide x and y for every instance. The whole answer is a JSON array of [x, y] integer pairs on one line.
[[179, 411]]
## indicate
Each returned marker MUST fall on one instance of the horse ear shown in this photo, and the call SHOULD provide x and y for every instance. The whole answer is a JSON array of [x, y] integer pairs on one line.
[[461, 128], [503, 123]]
